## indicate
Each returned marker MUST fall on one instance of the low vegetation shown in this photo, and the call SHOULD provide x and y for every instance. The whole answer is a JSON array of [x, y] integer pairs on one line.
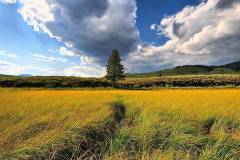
[[216, 80], [181, 76], [119, 124]]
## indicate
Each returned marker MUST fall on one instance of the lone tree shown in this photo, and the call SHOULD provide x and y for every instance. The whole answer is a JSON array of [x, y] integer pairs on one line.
[[115, 70]]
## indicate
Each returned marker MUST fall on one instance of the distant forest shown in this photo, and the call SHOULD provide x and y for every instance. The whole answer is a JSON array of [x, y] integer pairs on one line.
[[181, 76], [231, 68]]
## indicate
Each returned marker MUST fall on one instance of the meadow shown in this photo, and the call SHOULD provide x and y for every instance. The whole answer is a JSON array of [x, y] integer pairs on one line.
[[120, 124]]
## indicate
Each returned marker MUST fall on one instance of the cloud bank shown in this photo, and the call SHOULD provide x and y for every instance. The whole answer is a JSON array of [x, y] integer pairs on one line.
[[204, 34], [9, 68], [92, 28]]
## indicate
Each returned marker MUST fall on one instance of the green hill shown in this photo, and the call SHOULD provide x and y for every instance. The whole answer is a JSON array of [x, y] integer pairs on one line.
[[188, 69], [231, 68], [234, 66]]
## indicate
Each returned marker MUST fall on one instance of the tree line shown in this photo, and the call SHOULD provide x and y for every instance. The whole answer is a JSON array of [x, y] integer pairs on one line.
[[132, 83], [115, 78]]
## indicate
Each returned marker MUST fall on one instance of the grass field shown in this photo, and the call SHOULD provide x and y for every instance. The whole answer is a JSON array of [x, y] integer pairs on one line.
[[80, 124]]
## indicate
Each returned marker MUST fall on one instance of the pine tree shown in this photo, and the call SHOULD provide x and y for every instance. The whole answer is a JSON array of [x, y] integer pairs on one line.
[[115, 70]]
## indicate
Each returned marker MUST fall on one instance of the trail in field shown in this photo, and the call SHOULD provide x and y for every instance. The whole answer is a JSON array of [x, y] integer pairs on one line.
[[94, 142]]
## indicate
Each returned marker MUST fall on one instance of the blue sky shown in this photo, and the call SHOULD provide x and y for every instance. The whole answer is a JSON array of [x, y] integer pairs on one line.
[[75, 38], [152, 11], [19, 38]]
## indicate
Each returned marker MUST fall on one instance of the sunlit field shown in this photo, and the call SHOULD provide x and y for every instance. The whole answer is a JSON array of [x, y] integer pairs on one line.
[[158, 124], [180, 124], [35, 121]]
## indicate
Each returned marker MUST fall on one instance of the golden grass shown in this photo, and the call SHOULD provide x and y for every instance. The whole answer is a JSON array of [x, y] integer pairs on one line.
[[195, 103], [159, 124], [181, 123], [32, 118]]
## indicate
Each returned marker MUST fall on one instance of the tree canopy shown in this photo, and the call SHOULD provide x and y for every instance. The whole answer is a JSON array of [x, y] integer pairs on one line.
[[115, 70]]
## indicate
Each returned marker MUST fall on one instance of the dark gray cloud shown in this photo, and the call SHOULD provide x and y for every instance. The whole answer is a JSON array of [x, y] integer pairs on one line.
[[177, 29], [226, 3], [92, 27], [225, 49], [80, 9]]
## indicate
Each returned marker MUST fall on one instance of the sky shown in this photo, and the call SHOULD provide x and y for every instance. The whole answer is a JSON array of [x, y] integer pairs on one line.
[[75, 38]]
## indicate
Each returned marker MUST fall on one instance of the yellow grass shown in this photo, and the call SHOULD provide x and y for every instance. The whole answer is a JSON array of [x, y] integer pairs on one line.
[[32, 118], [175, 120], [195, 103], [160, 124]]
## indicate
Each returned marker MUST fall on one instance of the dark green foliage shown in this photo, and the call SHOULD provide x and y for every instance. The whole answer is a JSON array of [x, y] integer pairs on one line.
[[115, 70], [52, 82], [132, 83], [143, 75], [223, 71]]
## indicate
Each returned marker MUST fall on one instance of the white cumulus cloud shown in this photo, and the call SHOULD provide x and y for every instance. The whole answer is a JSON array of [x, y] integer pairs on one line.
[[10, 68], [8, 1], [65, 52], [204, 34], [84, 71]]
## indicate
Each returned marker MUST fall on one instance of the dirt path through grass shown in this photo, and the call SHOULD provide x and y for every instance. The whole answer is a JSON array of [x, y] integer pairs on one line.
[[91, 143]]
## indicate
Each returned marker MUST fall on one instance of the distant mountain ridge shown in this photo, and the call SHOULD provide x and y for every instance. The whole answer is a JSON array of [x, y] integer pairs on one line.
[[229, 68], [25, 75], [234, 66]]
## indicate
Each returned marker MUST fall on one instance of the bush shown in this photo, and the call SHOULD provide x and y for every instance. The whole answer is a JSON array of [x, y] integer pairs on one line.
[[133, 83]]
